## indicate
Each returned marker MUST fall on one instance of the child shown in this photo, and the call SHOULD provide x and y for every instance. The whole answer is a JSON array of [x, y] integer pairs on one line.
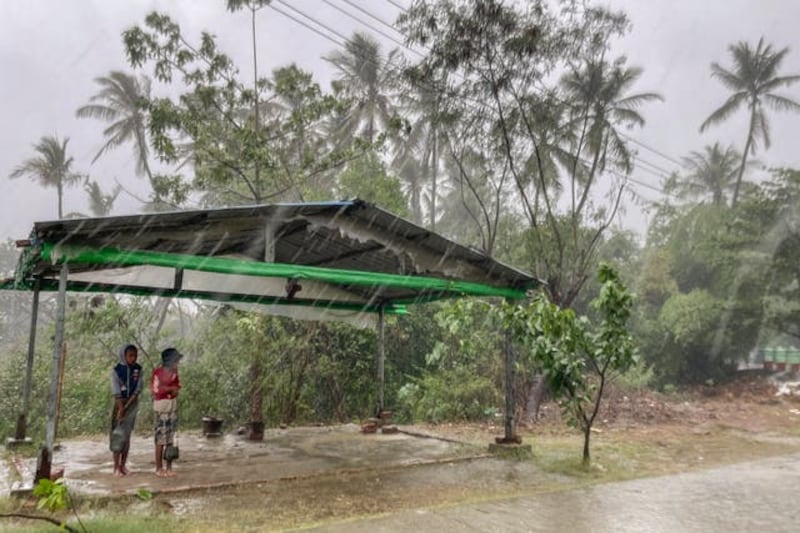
[[165, 385], [126, 385]]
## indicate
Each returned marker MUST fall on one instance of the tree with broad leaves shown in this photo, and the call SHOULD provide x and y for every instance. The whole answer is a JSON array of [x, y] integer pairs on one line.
[[578, 357], [753, 79], [237, 157], [546, 137]]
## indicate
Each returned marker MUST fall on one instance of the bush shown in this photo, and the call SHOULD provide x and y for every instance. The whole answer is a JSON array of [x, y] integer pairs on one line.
[[453, 394]]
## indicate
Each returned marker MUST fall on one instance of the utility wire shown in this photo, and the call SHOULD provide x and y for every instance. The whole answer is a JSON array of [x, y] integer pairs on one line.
[[368, 25], [271, 5], [651, 149], [398, 6], [375, 17], [309, 17], [344, 38], [628, 137], [665, 172]]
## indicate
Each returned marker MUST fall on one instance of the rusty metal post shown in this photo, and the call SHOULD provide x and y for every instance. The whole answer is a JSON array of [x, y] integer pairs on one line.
[[61, 304], [22, 421], [381, 358]]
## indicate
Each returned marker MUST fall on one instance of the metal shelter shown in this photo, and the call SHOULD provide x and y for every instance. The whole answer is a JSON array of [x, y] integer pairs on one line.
[[346, 260]]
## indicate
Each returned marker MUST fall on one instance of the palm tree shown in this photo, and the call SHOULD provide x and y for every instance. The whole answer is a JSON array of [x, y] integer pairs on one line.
[[712, 171], [51, 167], [365, 76], [599, 92], [418, 155], [120, 101], [100, 204], [752, 79]]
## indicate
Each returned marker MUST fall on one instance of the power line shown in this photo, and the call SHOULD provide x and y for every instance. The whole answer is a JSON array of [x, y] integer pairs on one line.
[[272, 6], [333, 31], [646, 147], [367, 24], [628, 137], [398, 6], [309, 17], [646, 185], [374, 17], [656, 169]]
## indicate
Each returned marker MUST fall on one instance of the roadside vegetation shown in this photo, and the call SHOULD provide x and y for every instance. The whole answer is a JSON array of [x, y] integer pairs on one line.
[[479, 140]]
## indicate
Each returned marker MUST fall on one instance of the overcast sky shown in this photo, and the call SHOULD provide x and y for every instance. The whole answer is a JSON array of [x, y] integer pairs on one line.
[[51, 50]]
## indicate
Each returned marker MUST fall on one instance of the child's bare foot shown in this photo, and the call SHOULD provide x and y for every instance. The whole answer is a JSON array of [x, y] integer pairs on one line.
[[118, 473], [123, 471], [161, 473], [170, 473]]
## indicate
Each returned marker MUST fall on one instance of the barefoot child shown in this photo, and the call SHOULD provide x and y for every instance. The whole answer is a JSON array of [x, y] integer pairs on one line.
[[126, 386], [165, 385]]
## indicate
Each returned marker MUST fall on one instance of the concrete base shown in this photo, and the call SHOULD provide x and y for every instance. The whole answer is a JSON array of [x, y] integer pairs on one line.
[[21, 490], [511, 451], [11, 442]]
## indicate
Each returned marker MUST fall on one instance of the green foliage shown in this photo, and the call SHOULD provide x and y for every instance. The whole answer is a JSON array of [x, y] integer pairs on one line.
[[702, 289], [462, 378], [688, 318], [537, 144], [639, 376], [367, 179], [780, 251], [449, 394], [578, 357], [246, 143], [12, 377], [306, 372], [51, 494], [144, 494]]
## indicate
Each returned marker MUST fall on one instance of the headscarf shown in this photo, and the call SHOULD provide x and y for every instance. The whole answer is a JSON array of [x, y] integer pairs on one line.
[[125, 349], [126, 380]]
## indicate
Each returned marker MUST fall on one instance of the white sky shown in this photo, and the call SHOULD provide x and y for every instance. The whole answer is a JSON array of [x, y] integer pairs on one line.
[[50, 51]]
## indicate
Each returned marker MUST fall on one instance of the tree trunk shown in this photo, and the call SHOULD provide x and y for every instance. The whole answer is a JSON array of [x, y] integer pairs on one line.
[[435, 169], [60, 191], [587, 432], [256, 390], [536, 393], [747, 145]]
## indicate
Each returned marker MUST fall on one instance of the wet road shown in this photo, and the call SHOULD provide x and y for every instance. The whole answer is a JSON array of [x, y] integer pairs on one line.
[[759, 496]]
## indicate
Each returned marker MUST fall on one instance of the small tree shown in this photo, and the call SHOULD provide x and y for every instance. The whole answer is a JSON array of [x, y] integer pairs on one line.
[[577, 356]]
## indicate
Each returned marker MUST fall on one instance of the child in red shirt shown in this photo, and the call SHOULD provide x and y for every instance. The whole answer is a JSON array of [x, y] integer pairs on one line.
[[165, 385]]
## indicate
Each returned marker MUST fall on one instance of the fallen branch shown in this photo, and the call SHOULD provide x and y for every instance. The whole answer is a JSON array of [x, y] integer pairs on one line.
[[38, 517]]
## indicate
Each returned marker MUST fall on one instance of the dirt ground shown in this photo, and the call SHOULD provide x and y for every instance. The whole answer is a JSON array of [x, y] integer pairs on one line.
[[300, 477], [753, 402]]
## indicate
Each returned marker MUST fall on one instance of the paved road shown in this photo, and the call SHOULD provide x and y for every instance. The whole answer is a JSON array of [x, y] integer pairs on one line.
[[759, 496]]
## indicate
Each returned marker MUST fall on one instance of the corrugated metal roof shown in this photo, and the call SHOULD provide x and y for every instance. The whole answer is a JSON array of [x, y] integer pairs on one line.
[[349, 235]]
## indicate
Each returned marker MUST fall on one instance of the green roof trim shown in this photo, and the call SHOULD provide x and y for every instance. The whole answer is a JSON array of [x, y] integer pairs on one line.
[[116, 257]]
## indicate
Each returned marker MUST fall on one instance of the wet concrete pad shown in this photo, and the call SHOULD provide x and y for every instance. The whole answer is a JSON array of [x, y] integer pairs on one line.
[[231, 459]]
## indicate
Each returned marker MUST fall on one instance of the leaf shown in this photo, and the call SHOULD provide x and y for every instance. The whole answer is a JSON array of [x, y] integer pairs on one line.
[[144, 494]]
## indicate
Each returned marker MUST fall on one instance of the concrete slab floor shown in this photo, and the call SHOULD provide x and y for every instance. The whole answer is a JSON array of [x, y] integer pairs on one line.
[[231, 459]]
